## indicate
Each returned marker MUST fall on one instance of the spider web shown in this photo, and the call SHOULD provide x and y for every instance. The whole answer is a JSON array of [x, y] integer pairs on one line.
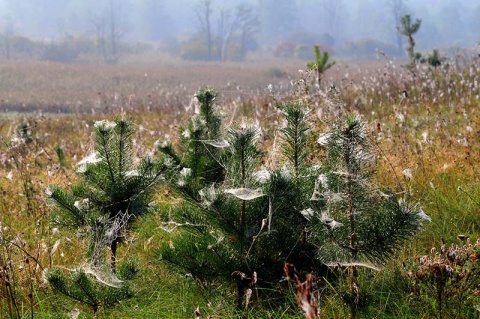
[[104, 233]]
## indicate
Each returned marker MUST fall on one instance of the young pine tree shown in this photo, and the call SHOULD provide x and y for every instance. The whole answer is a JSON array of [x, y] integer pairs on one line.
[[356, 224], [221, 220], [289, 189], [112, 192], [244, 227], [197, 162], [408, 28], [321, 63]]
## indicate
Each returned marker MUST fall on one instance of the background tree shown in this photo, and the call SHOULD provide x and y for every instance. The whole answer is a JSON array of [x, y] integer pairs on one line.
[[321, 63], [408, 28], [226, 26], [99, 27], [228, 34], [334, 14], [248, 26], [204, 14], [7, 35], [152, 21], [240, 25], [109, 30], [114, 30], [279, 18]]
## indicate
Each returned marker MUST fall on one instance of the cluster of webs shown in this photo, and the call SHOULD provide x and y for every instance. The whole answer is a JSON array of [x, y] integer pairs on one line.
[[105, 233]]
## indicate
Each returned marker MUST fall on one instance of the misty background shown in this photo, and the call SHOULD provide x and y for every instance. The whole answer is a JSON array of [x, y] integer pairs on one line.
[[236, 27]]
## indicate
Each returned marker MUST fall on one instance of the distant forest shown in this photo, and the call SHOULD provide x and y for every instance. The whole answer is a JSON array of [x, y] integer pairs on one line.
[[228, 30]]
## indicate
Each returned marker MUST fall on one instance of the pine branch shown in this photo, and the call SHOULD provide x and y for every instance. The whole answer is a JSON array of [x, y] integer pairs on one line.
[[67, 203], [294, 135], [105, 151], [86, 288], [124, 132], [58, 281]]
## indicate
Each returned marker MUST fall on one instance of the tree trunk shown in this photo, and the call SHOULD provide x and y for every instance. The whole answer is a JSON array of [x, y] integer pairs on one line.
[[113, 256], [240, 293]]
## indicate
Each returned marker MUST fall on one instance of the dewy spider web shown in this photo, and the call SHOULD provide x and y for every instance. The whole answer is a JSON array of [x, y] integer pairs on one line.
[[104, 234]]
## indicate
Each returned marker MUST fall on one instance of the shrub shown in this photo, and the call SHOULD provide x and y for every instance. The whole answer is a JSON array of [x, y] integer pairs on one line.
[[447, 281], [285, 49], [112, 192], [68, 50]]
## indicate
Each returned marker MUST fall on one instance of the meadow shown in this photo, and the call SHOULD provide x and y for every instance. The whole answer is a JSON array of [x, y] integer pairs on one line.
[[424, 123]]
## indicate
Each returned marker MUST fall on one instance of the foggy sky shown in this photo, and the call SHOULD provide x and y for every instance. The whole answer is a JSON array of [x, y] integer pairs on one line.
[[445, 23]]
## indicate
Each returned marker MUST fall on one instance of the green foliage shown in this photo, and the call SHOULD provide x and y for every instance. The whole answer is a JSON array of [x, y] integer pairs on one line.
[[24, 133], [198, 160], [112, 191], [321, 63], [246, 225], [364, 226], [433, 59], [61, 156], [86, 289], [128, 269], [447, 187], [295, 136], [111, 194], [226, 218]]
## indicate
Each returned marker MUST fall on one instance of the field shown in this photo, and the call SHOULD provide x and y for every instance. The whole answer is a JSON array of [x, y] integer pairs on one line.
[[426, 144]]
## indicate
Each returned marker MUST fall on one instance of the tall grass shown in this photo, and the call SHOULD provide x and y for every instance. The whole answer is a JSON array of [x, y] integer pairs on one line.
[[427, 145]]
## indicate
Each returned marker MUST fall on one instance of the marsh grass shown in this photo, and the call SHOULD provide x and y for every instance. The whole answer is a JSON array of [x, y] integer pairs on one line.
[[437, 141]]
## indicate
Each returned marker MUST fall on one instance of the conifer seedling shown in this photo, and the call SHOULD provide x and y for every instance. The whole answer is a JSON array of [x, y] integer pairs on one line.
[[357, 224], [197, 160], [111, 193], [408, 28], [321, 63], [244, 226]]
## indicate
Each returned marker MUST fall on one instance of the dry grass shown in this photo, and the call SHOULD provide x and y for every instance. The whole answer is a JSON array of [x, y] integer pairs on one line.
[[433, 134], [28, 86]]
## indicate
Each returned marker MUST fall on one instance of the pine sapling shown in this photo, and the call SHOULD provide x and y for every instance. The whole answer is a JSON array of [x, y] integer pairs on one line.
[[197, 161], [252, 221], [295, 137], [408, 28], [321, 63], [223, 218], [364, 225], [112, 192]]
